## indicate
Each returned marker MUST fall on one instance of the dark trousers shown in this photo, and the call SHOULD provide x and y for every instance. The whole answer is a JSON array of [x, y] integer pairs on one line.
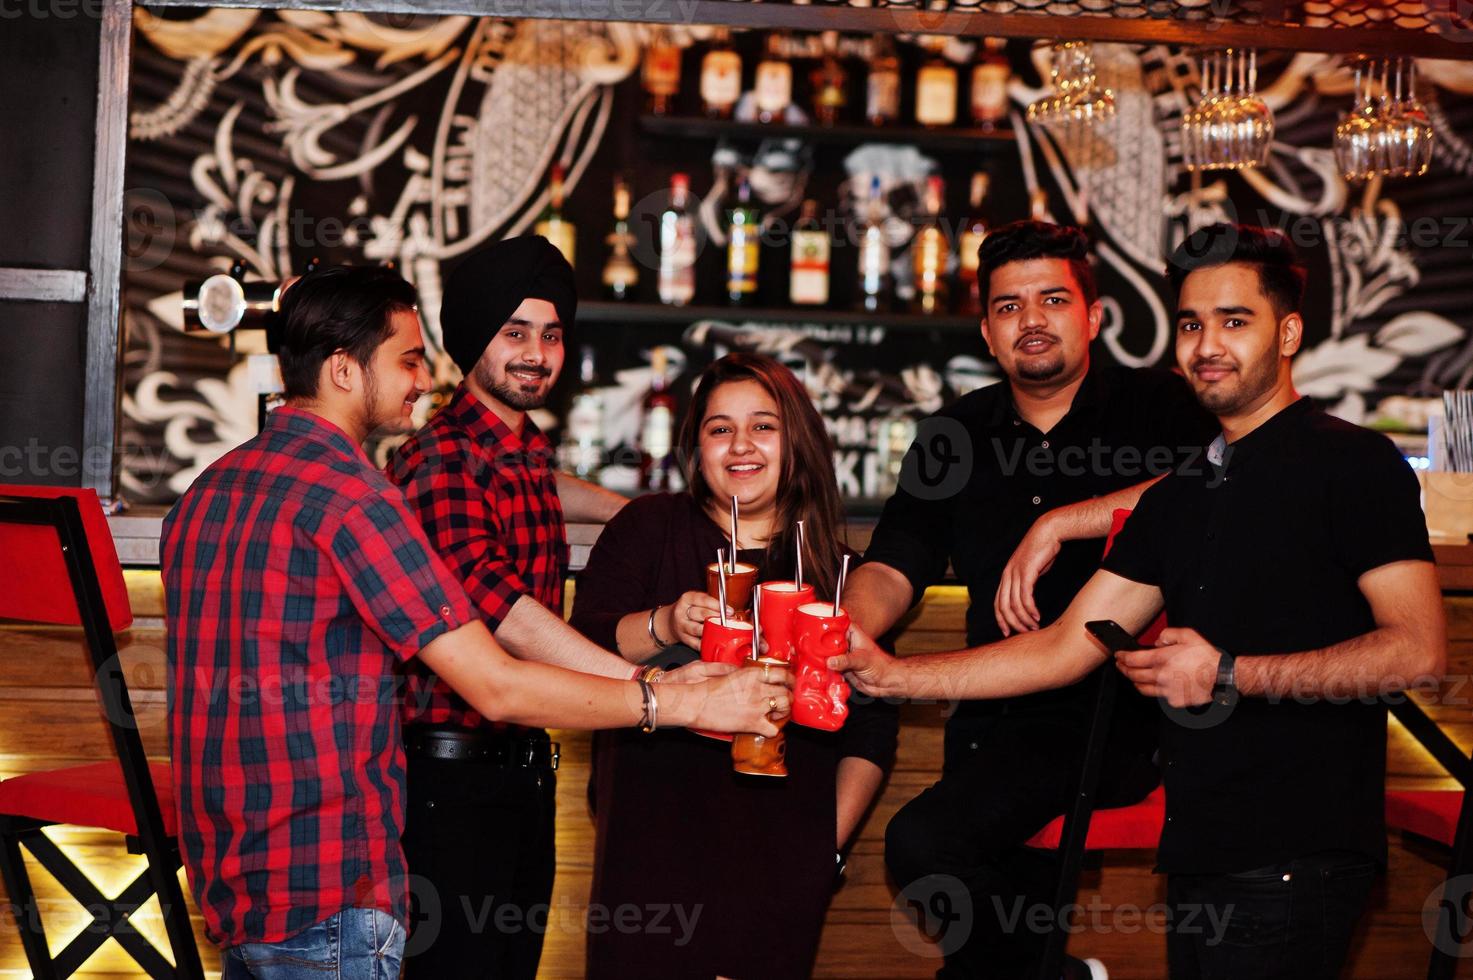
[[1293, 920], [478, 840], [956, 851]]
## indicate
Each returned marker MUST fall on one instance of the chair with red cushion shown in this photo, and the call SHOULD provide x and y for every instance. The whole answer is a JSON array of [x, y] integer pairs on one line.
[[1129, 827], [62, 569], [1444, 816]]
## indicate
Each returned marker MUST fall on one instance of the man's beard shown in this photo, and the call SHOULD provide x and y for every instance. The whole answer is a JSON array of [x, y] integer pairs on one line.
[[372, 419], [509, 392], [1252, 384], [1039, 369]]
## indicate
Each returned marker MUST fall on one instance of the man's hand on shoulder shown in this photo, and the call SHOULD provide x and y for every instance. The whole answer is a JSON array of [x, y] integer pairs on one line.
[[1013, 605]]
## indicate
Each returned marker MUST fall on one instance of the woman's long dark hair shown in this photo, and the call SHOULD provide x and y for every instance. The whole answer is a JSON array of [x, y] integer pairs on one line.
[[806, 488]]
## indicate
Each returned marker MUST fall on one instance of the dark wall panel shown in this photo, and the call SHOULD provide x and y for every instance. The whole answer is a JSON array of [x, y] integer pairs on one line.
[[48, 70], [41, 347]]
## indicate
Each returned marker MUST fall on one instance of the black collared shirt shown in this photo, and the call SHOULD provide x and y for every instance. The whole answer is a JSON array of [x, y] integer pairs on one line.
[[1263, 557], [978, 476]]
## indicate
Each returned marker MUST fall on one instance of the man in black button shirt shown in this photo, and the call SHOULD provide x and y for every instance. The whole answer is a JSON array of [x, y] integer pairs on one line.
[[1006, 483], [1299, 583]]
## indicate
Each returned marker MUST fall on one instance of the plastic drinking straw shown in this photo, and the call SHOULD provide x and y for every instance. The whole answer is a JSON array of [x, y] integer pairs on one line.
[[733, 534], [721, 583], [839, 589], [757, 623], [798, 578]]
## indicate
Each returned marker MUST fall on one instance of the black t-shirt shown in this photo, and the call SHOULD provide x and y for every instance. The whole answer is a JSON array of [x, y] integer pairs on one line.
[[978, 476], [1262, 556]]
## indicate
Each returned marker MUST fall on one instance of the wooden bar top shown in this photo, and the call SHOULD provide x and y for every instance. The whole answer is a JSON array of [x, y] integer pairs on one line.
[[136, 535]]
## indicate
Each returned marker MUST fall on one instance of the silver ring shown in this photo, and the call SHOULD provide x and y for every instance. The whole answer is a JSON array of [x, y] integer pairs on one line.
[[771, 705]]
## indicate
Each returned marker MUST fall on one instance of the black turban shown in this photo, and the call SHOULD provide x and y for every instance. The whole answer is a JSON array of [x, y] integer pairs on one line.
[[486, 289]]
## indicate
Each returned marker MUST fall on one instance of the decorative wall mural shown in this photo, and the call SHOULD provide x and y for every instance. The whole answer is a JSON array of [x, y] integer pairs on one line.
[[267, 139]]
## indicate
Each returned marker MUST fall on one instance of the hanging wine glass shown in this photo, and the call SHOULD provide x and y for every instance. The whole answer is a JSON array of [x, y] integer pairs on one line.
[[1357, 132], [1230, 127], [1387, 132], [1077, 96]]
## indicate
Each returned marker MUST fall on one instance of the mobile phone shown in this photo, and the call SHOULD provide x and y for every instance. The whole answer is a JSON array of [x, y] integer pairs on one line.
[[1112, 635]]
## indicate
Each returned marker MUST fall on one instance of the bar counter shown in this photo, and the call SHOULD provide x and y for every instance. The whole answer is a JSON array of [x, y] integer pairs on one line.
[[136, 535]]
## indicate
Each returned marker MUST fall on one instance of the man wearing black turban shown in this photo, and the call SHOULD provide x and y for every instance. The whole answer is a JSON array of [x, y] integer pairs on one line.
[[479, 475]]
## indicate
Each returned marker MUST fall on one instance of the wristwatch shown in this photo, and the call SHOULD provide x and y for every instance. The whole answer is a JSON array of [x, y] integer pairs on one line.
[[1225, 690]]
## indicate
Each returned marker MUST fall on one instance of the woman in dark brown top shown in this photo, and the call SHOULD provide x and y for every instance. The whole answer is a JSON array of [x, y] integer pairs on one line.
[[739, 869]]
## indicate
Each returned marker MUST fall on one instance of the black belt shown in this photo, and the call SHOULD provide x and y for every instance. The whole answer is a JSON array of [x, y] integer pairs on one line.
[[490, 748]]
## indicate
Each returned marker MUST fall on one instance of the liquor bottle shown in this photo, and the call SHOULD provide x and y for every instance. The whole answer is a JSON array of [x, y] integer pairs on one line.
[[743, 247], [551, 224], [929, 253], [721, 77], [830, 81], [970, 240], [808, 277], [882, 88], [990, 73], [620, 274], [874, 252], [936, 87], [661, 74], [677, 282], [582, 449], [657, 432], [774, 88]]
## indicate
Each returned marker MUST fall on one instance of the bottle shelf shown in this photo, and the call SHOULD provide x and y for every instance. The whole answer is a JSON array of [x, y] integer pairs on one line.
[[658, 313], [846, 134]]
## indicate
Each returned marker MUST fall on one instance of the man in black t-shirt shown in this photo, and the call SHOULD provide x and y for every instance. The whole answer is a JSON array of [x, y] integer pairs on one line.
[[1298, 581], [1013, 486]]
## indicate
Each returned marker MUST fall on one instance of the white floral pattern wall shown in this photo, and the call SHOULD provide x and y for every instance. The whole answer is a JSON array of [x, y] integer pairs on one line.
[[262, 139]]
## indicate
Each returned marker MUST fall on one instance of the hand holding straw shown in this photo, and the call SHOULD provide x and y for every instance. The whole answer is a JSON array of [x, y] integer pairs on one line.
[[721, 583], [839, 588]]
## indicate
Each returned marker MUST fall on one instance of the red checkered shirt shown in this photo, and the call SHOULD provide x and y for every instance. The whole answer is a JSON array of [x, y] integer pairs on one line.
[[295, 581], [487, 498]]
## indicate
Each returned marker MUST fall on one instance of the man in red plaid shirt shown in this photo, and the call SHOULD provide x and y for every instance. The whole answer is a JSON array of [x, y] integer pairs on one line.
[[296, 581], [479, 477]]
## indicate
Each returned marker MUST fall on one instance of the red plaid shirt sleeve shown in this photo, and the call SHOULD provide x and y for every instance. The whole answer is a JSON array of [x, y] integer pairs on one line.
[[467, 533], [393, 577]]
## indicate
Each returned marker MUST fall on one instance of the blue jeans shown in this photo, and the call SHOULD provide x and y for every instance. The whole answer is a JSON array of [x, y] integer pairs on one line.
[[1292, 921], [355, 944]]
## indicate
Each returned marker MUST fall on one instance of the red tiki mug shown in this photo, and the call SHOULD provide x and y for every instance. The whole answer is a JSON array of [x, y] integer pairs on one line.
[[739, 585], [729, 644], [761, 755], [780, 602], [820, 696]]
